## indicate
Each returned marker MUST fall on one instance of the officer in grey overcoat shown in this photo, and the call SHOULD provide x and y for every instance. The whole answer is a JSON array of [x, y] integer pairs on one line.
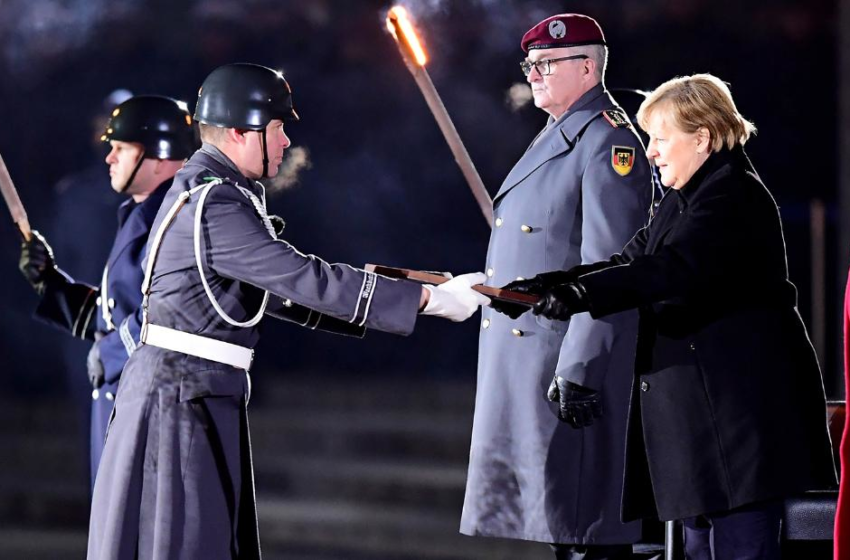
[[150, 137], [577, 194], [175, 480]]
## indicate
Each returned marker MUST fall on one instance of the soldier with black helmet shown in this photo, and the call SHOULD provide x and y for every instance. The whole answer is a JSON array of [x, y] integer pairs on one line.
[[176, 478], [150, 137]]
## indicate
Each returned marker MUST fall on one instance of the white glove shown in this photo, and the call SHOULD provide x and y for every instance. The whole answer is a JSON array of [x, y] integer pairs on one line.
[[455, 299]]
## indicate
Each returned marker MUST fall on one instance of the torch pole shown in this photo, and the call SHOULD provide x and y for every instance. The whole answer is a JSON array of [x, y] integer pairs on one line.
[[447, 127], [13, 201]]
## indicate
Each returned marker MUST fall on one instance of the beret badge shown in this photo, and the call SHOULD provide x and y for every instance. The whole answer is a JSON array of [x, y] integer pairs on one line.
[[557, 29]]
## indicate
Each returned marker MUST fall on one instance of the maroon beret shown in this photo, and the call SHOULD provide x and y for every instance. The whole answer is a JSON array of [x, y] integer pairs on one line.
[[563, 30]]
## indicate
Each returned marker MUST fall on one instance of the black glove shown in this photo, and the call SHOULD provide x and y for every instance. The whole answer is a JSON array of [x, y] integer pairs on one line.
[[93, 364], [577, 405], [562, 302], [512, 310], [541, 283], [36, 263], [278, 224], [534, 286]]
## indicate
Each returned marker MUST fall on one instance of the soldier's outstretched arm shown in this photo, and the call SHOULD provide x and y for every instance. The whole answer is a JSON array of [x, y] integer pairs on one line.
[[287, 310], [237, 245]]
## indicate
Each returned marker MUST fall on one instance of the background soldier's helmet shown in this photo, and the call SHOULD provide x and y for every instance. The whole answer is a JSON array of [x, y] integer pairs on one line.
[[244, 96], [162, 125]]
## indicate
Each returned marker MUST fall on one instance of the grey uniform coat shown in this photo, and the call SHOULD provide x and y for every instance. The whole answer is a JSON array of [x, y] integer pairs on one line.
[[175, 480], [531, 476]]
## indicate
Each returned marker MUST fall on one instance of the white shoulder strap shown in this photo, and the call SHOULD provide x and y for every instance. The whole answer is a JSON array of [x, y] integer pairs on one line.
[[157, 242], [198, 213]]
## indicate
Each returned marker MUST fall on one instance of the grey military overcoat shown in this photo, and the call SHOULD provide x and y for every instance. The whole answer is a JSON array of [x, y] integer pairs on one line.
[[578, 194], [175, 480]]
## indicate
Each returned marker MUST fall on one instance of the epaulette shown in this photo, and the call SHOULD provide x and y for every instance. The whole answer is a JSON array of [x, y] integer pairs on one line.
[[616, 118]]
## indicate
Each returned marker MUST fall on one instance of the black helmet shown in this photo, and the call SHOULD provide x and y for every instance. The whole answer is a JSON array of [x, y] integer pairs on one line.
[[244, 96], [162, 125]]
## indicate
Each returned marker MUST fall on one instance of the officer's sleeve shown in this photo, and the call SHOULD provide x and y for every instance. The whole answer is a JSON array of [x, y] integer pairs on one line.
[[236, 245], [70, 306], [286, 310], [614, 207], [117, 346]]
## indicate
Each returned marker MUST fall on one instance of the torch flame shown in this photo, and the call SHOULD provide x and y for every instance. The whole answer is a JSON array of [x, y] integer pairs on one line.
[[397, 19]]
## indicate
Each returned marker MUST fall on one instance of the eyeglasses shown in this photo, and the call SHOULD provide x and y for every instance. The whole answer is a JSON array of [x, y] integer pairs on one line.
[[544, 67]]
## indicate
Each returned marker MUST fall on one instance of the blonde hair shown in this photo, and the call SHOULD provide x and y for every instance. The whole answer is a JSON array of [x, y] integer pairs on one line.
[[698, 101]]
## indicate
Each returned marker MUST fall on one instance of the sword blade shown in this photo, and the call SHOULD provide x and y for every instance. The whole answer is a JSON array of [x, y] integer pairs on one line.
[[13, 201]]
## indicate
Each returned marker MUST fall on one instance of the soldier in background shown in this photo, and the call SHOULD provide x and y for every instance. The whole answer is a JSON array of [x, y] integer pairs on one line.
[[578, 194], [150, 137]]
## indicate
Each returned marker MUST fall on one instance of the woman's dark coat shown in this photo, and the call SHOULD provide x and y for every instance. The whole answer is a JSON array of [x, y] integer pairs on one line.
[[728, 405]]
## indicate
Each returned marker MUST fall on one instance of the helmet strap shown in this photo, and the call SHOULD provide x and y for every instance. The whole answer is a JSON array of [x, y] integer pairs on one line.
[[135, 170], [265, 153]]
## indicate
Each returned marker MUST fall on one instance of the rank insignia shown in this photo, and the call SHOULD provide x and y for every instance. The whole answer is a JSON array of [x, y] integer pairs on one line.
[[616, 119], [622, 159]]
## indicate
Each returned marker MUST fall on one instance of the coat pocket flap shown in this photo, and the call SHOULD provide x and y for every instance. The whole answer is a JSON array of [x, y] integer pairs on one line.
[[212, 383]]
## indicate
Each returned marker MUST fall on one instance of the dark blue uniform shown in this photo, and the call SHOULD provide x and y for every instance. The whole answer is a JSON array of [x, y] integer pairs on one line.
[[111, 310]]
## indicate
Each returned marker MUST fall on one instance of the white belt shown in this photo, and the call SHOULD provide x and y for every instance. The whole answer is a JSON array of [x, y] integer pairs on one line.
[[198, 346]]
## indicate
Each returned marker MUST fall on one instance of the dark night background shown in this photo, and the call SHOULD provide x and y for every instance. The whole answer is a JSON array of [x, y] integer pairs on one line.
[[380, 184]]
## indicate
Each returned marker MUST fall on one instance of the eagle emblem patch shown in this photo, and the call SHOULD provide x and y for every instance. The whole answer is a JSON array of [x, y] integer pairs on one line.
[[622, 159]]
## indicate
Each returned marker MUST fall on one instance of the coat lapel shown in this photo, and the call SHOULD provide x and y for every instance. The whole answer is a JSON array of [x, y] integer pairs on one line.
[[138, 222], [550, 144], [558, 138]]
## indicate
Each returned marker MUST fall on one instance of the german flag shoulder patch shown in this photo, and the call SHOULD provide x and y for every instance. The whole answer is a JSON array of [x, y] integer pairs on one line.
[[616, 118], [622, 159]]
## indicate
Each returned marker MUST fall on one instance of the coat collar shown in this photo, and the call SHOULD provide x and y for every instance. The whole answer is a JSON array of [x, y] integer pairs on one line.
[[220, 165], [148, 207], [559, 136], [135, 220], [735, 157]]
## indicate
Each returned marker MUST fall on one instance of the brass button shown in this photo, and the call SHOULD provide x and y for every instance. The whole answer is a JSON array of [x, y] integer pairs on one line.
[[109, 396], [517, 332], [98, 301], [287, 302], [485, 324], [111, 303], [499, 222], [490, 272], [644, 386], [526, 229], [95, 394]]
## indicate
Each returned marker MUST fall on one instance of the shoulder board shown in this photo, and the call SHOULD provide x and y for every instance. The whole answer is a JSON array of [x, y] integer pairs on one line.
[[616, 118]]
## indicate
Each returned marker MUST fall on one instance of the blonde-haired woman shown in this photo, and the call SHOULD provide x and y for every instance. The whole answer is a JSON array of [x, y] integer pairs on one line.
[[728, 414]]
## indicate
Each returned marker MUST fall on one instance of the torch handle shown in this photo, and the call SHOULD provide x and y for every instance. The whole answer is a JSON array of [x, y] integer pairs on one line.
[[13, 201], [447, 127], [436, 279]]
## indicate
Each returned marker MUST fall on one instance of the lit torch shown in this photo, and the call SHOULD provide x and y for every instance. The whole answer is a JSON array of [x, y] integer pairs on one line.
[[415, 58]]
